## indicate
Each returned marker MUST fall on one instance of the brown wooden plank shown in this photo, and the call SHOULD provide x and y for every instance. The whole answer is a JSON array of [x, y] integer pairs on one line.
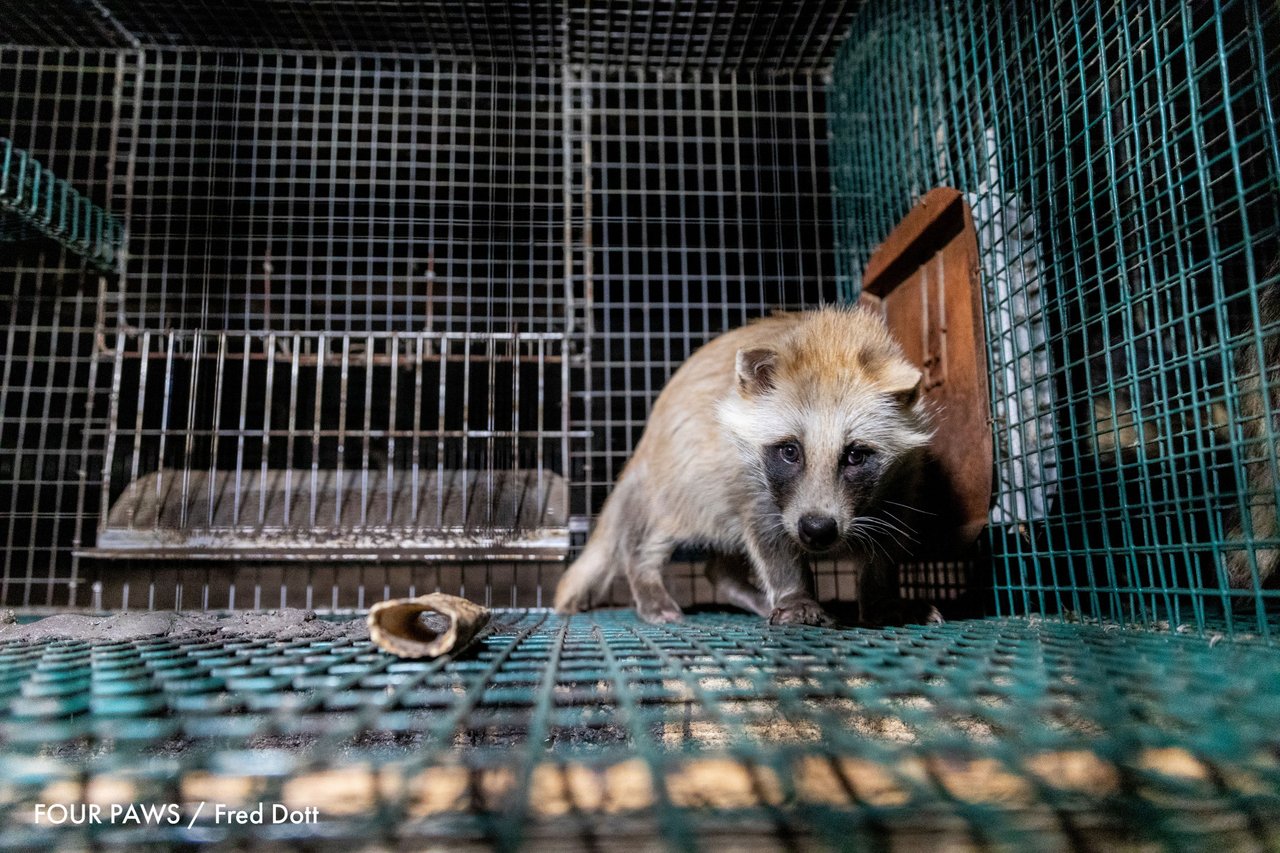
[[925, 279]]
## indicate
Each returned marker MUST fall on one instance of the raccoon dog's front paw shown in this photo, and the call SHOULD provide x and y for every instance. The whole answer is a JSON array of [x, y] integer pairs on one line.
[[801, 611], [659, 611], [660, 615]]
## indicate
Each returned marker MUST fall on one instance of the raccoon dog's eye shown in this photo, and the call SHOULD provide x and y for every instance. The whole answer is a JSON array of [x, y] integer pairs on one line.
[[856, 456], [790, 452]]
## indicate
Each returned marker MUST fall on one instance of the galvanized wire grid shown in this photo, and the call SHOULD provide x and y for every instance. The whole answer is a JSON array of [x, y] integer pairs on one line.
[[56, 105], [781, 36], [719, 730], [309, 192], [688, 35], [1123, 166], [709, 207], [59, 23], [354, 194]]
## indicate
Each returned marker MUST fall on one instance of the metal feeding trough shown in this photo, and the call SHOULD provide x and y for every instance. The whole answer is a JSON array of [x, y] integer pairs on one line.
[[326, 514], [290, 446]]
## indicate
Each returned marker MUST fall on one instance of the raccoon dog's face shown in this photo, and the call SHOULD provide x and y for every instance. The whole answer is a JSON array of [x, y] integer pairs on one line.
[[827, 421]]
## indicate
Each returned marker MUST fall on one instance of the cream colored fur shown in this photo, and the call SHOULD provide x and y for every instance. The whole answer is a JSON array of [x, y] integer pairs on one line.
[[827, 377]]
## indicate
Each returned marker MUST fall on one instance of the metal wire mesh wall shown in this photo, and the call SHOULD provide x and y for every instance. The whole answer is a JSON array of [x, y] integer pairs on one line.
[[403, 224], [315, 192], [1123, 167], [270, 183], [709, 206], [57, 105]]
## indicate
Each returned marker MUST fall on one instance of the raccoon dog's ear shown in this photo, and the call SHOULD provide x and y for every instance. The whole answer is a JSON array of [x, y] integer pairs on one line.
[[903, 380], [755, 368]]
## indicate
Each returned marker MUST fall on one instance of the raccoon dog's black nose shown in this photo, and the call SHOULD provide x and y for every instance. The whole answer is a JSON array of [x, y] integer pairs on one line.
[[818, 531]]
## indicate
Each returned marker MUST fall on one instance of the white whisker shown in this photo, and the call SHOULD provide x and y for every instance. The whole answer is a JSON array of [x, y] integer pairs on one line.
[[902, 524], [910, 507]]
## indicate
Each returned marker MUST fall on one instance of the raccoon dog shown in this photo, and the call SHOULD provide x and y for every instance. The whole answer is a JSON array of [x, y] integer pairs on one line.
[[796, 436], [1256, 370]]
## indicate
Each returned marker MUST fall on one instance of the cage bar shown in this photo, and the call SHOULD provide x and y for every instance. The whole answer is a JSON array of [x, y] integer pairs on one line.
[[58, 107], [201, 468]]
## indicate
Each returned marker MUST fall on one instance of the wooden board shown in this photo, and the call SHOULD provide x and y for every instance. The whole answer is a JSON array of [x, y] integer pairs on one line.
[[924, 278]]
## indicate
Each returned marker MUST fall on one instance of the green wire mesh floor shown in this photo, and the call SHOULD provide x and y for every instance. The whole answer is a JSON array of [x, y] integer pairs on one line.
[[569, 733]]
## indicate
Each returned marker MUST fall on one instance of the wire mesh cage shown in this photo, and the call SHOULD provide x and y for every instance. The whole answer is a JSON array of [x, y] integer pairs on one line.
[[1123, 165], [387, 294]]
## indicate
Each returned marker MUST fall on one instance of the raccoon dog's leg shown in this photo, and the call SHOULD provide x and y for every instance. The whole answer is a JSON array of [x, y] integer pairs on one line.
[[784, 581], [644, 574], [731, 573], [623, 540], [611, 544]]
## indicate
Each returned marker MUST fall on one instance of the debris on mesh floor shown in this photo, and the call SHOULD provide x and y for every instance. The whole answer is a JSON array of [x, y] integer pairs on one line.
[[601, 723], [284, 624], [427, 626]]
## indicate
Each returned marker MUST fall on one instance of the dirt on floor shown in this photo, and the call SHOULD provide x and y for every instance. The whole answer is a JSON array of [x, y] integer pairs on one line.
[[287, 624]]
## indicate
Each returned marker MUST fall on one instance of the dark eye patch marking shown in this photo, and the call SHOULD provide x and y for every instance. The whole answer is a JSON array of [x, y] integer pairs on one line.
[[861, 468], [783, 466]]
